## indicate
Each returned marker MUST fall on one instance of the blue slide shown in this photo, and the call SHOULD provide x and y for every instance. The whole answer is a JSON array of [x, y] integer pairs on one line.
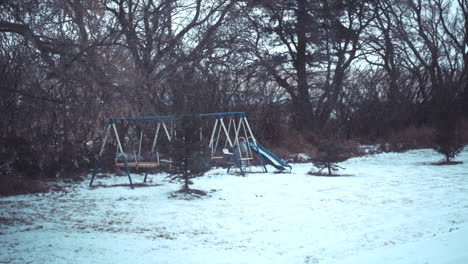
[[268, 156]]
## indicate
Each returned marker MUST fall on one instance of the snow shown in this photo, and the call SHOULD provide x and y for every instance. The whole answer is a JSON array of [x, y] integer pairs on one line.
[[300, 157], [393, 208]]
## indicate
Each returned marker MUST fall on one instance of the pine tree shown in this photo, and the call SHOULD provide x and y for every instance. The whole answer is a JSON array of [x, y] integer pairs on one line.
[[331, 152], [187, 153], [448, 139]]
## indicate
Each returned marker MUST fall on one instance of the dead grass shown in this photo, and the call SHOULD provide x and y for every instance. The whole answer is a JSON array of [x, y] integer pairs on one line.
[[187, 194], [296, 142], [307, 143], [408, 138], [325, 174], [12, 221], [138, 185], [443, 163], [465, 130], [14, 185], [192, 191]]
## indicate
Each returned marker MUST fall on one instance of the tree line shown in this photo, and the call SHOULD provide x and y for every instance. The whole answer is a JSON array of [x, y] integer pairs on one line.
[[351, 68]]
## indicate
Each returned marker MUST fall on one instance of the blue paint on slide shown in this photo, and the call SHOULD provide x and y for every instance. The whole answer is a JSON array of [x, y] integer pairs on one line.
[[268, 156]]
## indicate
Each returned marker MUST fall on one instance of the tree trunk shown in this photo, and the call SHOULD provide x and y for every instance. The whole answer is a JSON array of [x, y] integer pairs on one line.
[[303, 107], [186, 182]]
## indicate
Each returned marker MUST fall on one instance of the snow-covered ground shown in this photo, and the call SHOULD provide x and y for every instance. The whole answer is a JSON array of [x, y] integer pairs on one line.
[[394, 208]]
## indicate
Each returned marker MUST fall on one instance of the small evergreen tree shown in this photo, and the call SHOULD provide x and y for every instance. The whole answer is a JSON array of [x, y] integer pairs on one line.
[[448, 139], [331, 152], [186, 146], [187, 153]]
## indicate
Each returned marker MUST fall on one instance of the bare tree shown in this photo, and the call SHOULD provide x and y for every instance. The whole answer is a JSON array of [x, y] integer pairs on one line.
[[315, 44]]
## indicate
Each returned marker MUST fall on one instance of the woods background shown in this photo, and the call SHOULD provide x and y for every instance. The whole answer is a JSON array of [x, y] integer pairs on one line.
[[369, 71]]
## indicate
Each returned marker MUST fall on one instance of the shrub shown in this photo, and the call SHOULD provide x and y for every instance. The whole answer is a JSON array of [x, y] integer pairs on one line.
[[412, 137], [448, 137], [186, 153], [20, 185], [331, 152]]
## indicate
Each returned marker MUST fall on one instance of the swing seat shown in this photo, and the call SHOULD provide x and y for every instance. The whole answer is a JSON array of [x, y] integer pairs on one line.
[[142, 165], [226, 152]]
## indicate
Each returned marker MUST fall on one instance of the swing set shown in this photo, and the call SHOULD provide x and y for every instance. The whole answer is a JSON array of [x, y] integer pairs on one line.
[[231, 142]]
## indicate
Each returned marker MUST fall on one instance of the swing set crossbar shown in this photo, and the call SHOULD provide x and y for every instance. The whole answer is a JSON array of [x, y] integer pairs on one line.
[[219, 115]]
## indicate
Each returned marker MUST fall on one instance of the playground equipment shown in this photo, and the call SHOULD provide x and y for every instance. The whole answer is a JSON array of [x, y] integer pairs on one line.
[[232, 142], [270, 157]]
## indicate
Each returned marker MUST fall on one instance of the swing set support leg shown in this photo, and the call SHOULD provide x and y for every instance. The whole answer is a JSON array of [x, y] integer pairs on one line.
[[238, 162], [227, 159], [146, 175], [96, 168], [262, 161], [128, 172], [240, 168]]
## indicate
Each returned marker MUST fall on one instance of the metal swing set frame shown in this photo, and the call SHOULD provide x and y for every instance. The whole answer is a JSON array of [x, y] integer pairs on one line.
[[237, 150]]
